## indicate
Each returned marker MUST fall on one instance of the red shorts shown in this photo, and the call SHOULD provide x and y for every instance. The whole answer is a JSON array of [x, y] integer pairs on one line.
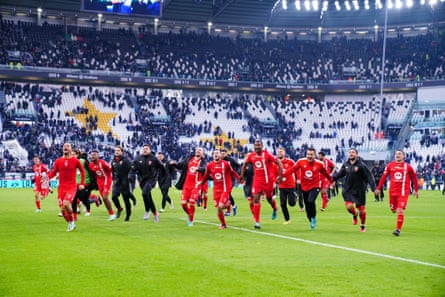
[[325, 184], [221, 198], [397, 201], [190, 194], [263, 188], [103, 189], [205, 187], [66, 193], [44, 191]]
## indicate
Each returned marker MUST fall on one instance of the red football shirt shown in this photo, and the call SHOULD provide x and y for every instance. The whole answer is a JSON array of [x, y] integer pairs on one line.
[[66, 167], [193, 176], [262, 166], [38, 170], [310, 173], [401, 175], [288, 181], [221, 173], [102, 171]]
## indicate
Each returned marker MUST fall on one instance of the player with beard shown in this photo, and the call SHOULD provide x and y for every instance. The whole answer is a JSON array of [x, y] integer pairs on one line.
[[236, 167], [221, 173], [67, 166], [286, 186], [311, 172], [401, 176], [104, 178], [356, 178], [148, 167], [263, 183], [121, 166], [165, 181], [192, 170]]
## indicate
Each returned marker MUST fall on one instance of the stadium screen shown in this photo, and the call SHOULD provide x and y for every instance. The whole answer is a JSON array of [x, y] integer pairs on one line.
[[151, 8]]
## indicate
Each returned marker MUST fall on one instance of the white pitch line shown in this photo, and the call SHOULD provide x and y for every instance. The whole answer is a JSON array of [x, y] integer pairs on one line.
[[330, 245]]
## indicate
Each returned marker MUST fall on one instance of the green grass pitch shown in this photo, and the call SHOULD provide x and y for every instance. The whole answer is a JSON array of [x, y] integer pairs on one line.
[[140, 258]]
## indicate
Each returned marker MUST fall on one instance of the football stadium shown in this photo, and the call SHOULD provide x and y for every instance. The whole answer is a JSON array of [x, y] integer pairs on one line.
[[222, 148]]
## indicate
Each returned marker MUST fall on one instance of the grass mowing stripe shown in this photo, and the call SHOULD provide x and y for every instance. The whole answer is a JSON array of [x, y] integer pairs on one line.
[[328, 245]]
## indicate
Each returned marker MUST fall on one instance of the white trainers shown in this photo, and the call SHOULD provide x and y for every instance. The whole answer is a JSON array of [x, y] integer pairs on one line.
[[161, 210], [87, 214], [147, 215], [71, 226], [171, 205], [112, 217], [38, 210]]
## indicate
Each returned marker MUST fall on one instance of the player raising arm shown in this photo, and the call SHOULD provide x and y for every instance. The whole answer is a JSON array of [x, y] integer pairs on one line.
[[401, 176]]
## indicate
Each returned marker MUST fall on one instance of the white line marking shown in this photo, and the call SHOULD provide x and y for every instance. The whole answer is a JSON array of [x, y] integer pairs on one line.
[[330, 245]]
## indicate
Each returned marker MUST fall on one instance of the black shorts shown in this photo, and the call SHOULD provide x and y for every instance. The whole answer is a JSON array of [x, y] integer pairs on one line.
[[358, 198]]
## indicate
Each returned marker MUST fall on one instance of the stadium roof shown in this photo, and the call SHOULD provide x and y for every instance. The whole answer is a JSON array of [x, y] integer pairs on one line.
[[271, 13]]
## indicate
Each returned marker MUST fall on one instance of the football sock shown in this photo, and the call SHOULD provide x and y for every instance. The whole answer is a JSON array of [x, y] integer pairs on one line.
[[362, 215], [38, 204], [206, 198], [186, 208], [192, 212], [273, 204], [221, 217], [250, 204], [256, 212], [400, 218], [324, 200]]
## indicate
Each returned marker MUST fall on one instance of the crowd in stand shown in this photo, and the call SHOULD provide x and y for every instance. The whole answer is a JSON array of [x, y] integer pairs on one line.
[[194, 56], [200, 56]]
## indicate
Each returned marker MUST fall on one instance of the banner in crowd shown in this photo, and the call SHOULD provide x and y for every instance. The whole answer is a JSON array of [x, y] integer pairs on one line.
[[17, 151]]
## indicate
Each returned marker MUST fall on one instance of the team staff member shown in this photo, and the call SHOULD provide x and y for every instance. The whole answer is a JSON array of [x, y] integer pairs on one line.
[[147, 167], [401, 176], [286, 186], [263, 182], [221, 173], [377, 172], [104, 178], [356, 178], [311, 172], [165, 181], [67, 166], [121, 167]]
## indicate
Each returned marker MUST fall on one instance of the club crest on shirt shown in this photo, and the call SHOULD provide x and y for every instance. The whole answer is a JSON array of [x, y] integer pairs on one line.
[[149, 162], [308, 173], [398, 175], [258, 164], [356, 169], [218, 175], [193, 169]]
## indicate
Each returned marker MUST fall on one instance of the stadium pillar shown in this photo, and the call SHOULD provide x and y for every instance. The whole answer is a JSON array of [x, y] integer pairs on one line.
[[99, 21], [39, 16], [156, 24]]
